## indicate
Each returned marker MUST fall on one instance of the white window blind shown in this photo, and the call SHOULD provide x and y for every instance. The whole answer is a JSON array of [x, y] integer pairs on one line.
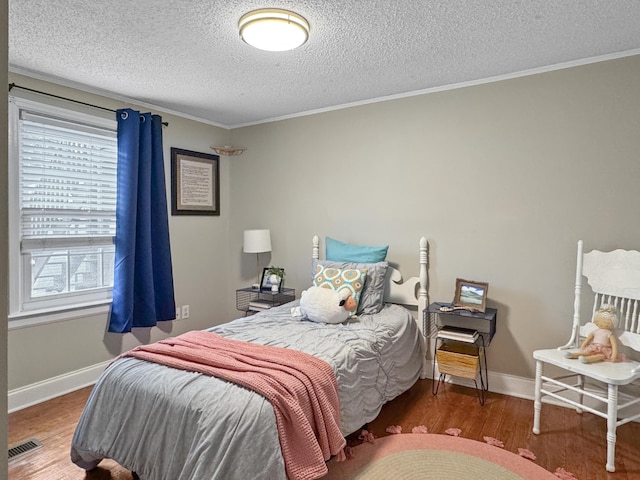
[[67, 182], [67, 209]]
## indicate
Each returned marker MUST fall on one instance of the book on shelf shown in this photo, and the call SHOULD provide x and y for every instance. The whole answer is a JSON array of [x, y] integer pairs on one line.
[[259, 306], [459, 334]]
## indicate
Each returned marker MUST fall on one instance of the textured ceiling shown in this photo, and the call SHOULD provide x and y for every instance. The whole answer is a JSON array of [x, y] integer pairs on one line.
[[185, 56]]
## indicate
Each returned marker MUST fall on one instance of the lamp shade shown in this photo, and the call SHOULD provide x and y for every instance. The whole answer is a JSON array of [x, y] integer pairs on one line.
[[257, 241]]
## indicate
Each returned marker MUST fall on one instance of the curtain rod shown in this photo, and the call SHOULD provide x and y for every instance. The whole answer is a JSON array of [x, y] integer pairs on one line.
[[13, 85]]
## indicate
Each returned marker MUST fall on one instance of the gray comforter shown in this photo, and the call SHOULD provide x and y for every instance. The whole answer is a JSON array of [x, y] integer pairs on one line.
[[168, 424]]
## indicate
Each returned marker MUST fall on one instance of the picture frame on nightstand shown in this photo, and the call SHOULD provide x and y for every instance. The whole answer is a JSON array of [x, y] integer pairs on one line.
[[267, 285], [471, 295]]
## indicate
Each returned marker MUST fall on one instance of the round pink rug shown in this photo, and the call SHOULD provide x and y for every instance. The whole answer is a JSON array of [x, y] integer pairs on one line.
[[427, 456]]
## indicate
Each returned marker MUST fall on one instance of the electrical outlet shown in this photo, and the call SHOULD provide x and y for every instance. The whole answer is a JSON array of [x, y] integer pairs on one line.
[[185, 311], [177, 313]]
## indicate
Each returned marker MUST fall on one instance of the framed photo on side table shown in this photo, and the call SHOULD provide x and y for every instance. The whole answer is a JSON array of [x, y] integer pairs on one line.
[[267, 285], [471, 295], [195, 183]]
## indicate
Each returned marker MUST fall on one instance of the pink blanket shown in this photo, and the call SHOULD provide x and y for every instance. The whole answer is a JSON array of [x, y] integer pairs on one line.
[[301, 388]]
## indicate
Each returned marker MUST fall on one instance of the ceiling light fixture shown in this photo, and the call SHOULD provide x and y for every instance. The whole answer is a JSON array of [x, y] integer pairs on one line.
[[273, 29]]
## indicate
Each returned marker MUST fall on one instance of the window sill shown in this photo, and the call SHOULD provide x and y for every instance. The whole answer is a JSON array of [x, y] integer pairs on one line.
[[51, 315]]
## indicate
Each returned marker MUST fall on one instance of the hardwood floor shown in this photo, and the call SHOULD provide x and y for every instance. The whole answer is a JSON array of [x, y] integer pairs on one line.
[[569, 440]]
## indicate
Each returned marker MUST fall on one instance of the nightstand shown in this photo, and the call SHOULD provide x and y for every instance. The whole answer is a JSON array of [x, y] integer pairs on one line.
[[461, 338], [252, 300]]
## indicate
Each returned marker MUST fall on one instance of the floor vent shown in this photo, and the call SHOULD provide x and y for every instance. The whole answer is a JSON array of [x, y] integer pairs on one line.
[[23, 448]]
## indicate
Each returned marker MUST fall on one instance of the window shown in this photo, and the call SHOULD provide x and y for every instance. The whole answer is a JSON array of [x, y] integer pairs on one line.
[[62, 205]]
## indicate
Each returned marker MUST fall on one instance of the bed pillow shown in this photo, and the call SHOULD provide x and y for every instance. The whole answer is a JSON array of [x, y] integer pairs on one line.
[[372, 295], [339, 278], [337, 251]]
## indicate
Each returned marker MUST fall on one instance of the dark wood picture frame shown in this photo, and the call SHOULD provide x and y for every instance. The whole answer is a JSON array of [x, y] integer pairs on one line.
[[265, 283], [471, 295], [195, 183]]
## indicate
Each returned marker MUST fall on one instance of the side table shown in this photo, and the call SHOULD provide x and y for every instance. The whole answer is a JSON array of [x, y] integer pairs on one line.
[[461, 338], [252, 300]]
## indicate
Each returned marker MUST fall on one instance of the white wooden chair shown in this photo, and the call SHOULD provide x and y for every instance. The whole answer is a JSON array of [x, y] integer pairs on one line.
[[614, 278]]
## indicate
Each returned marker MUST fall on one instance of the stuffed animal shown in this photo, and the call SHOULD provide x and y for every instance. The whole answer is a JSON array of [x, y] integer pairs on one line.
[[601, 344], [325, 305]]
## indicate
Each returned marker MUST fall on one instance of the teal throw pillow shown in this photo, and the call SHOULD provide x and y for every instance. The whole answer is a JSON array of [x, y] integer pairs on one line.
[[337, 251]]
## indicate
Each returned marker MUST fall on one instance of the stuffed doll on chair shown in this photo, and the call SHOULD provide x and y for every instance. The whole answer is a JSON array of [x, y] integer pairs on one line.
[[601, 344]]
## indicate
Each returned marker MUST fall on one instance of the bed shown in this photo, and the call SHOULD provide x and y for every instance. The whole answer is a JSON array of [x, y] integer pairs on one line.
[[168, 424]]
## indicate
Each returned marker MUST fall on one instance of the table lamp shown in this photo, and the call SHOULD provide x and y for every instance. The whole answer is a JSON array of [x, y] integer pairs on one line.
[[257, 241]]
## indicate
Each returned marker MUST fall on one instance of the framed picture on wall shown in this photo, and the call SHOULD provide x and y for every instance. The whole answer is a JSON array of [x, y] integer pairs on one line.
[[195, 183], [471, 295]]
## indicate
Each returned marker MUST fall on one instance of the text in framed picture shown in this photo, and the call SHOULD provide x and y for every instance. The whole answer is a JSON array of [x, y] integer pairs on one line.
[[195, 183], [471, 295]]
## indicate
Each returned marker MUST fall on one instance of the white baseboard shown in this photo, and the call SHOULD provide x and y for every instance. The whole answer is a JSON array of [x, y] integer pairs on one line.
[[511, 385], [39, 392], [521, 387]]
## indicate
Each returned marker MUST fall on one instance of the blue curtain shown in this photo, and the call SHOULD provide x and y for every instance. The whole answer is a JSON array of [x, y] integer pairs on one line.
[[143, 276]]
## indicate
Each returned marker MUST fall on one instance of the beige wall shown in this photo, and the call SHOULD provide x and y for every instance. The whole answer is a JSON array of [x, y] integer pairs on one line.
[[4, 48], [503, 178], [200, 263]]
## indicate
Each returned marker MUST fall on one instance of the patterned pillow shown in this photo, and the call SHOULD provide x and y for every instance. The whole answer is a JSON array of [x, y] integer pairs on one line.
[[339, 278], [372, 295]]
